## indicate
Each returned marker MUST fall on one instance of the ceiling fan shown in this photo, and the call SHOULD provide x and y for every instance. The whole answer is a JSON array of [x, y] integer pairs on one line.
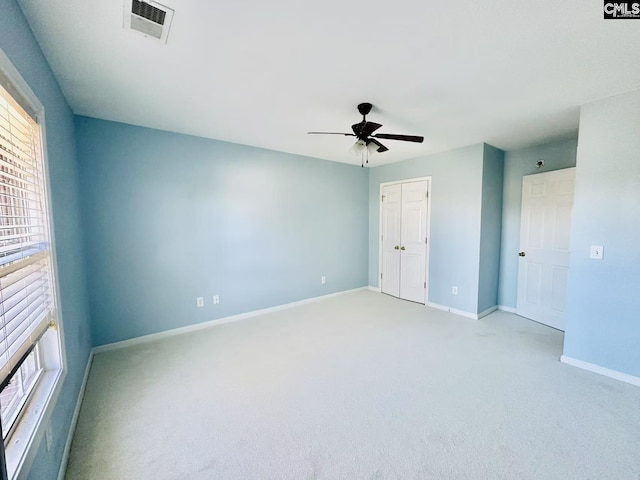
[[367, 142]]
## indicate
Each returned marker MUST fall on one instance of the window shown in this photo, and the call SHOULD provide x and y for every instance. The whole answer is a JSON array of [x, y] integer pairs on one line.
[[14, 395], [30, 349]]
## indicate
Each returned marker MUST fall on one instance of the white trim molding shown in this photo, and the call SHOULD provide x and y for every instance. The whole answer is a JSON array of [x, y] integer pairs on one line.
[[212, 323], [374, 289], [462, 313], [504, 308], [444, 308], [36, 420], [74, 420], [623, 377]]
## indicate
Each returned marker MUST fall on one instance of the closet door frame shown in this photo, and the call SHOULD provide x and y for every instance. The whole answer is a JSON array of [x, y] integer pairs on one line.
[[380, 225]]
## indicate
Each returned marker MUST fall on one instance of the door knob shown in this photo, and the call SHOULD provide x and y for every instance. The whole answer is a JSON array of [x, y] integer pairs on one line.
[[402, 248], [522, 254], [396, 247]]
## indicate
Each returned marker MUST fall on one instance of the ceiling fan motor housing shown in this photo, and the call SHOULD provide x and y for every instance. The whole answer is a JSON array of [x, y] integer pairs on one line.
[[364, 108]]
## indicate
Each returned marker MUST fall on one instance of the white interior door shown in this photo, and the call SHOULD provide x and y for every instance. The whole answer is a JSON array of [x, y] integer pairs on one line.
[[413, 238], [545, 230], [391, 216], [403, 243]]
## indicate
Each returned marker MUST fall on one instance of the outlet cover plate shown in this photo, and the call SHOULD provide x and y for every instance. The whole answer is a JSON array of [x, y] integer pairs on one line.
[[597, 252]]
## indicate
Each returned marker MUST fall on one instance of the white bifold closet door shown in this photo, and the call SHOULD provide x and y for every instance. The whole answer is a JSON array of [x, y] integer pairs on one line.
[[391, 215], [404, 240]]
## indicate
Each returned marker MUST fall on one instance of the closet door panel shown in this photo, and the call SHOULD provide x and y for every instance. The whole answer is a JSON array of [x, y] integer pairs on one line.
[[413, 239], [391, 217]]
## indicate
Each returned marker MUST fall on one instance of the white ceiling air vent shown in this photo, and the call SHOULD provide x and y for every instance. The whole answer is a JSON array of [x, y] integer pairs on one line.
[[149, 18]]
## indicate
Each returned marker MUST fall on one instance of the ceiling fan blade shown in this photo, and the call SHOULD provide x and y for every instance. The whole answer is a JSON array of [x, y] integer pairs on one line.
[[406, 138], [332, 133], [364, 129], [381, 147]]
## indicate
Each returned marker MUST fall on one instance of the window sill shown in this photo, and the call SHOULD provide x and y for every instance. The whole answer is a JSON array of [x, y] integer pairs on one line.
[[23, 445]]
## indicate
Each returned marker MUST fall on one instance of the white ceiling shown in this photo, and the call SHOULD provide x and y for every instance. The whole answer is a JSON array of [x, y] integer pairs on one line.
[[263, 73]]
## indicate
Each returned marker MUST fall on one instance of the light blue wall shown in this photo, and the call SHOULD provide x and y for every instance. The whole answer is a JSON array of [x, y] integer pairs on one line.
[[171, 217], [20, 46], [456, 193], [517, 163], [491, 228], [603, 323]]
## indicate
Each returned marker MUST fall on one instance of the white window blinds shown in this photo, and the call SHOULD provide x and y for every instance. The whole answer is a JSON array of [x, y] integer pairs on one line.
[[26, 286]]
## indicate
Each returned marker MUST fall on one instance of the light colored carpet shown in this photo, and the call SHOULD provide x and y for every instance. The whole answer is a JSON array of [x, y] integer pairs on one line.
[[359, 386]]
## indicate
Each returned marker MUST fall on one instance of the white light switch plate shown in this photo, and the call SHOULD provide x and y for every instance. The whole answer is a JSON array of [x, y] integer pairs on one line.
[[597, 251]]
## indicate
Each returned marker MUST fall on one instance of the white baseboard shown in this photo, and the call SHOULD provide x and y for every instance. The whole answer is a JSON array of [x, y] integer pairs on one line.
[[623, 377], [374, 289], [504, 308], [462, 313], [211, 323], [438, 306], [74, 420]]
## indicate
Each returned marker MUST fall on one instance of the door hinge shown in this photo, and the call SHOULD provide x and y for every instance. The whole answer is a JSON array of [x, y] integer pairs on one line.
[[425, 240], [380, 276], [425, 284], [427, 194], [382, 200]]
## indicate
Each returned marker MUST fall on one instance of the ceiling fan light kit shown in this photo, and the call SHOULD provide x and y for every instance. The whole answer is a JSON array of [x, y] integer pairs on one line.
[[367, 142], [358, 147], [363, 149]]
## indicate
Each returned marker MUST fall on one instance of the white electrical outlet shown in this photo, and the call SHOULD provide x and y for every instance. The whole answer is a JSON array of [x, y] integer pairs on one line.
[[200, 301], [597, 252], [454, 290], [323, 279], [216, 299]]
